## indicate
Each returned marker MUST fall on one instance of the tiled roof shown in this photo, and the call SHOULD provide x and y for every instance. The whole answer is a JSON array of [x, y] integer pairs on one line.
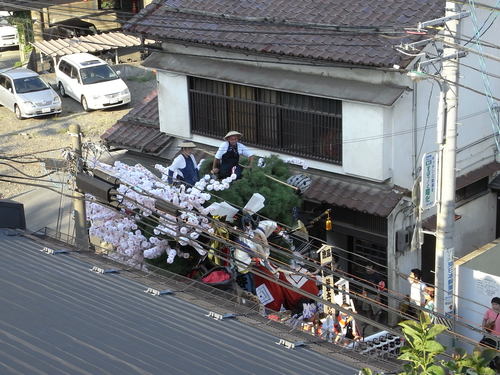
[[139, 130], [358, 195], [282, 27]]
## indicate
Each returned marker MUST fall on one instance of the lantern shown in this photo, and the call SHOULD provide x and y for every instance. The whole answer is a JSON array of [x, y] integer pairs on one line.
[[328, 222]]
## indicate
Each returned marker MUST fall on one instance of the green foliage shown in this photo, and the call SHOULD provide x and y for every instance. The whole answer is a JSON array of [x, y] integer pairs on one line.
[[422, 349], [280, 199], [22, 20], [110, 4]]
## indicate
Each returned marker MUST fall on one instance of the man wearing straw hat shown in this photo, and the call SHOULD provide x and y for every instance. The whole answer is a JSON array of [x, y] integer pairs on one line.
[[228, 156], [184, 167]]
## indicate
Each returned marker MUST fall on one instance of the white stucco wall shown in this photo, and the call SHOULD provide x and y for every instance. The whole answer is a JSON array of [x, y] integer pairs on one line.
[[476, 289], [363, 153], [400, 141], [477, 224], [173, 104]]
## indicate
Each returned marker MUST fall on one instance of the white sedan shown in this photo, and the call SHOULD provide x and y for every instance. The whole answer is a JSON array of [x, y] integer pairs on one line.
[[26, 94]]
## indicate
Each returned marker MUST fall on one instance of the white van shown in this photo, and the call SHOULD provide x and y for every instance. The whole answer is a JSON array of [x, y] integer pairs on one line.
[[8, 33], [90, 81]]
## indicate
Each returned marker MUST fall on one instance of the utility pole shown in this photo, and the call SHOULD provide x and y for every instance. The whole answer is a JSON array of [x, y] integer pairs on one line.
[[447, 140], [79, 212]]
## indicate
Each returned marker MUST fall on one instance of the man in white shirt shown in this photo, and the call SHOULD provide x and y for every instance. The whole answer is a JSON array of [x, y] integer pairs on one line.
[[417, 288], [184, 167], [226, 161]]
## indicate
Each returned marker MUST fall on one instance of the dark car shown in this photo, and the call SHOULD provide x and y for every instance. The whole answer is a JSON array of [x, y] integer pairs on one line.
[[69, 28]]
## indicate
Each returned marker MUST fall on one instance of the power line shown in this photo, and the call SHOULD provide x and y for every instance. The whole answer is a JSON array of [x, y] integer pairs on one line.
[[353, 294], [486, 83], [478, 5], [467, 49], [343, 274], [24, 174]]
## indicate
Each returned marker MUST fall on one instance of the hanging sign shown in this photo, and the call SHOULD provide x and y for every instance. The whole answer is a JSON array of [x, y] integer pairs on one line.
[[429, 180], [448, 275]]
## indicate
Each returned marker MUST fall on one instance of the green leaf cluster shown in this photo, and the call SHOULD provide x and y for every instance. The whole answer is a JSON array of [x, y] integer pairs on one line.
[[421, 353], [280, 199]]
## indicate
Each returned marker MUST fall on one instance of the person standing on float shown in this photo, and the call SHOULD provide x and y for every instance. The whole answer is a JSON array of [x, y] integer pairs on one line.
[[228, 156], [184, 167]]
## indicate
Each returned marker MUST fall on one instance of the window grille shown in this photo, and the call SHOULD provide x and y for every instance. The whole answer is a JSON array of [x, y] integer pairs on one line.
[[294, 124]]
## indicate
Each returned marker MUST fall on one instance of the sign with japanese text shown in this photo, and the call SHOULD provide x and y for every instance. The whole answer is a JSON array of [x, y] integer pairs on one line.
[[429, 180], [448, 274]]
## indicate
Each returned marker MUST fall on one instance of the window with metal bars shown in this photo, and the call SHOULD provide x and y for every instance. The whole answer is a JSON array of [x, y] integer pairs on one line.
[[472, 190], [293, 124]]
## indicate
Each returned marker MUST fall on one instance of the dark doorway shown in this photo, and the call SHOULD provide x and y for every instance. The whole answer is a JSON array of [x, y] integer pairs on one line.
[[498, 218], [428, 258]]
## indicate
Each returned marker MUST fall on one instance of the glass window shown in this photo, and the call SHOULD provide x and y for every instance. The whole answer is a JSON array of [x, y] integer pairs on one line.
[[64, 67], [29, 84], [8, 83], [472, 190], [96, 74]]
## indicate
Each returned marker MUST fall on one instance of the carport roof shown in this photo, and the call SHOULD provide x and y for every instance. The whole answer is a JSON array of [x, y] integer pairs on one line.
[[88, 43], [12, 5]]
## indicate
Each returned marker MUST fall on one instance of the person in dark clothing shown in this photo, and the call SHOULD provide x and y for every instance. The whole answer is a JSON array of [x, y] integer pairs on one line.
[[226, 161], [374, 280], [184, 166]]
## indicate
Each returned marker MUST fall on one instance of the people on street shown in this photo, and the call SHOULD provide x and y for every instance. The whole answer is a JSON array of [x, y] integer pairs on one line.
[[371, 306], [184, 166], [227, 158], [416, 291], [491, 324], [429, 303], [348, 329]]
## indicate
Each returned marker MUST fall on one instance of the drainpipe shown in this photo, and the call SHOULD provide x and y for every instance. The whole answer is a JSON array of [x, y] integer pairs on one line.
[[392, 262], [414, 132]]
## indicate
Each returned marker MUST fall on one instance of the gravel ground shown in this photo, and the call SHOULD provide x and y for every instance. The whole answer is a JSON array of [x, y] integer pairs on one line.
[[34, 136]]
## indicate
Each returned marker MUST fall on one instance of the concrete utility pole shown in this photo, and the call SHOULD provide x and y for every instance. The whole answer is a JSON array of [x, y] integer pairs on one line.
[[447, 140], [79, 213]]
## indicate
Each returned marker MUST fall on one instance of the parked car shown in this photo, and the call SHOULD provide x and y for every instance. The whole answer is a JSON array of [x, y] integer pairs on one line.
[[90, 81], [26, 94], [8, 33]]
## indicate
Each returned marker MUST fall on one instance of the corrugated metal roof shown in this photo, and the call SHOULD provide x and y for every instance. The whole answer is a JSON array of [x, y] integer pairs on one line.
[[57, 317], [280, 27], [355, 194], [88, 43]]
